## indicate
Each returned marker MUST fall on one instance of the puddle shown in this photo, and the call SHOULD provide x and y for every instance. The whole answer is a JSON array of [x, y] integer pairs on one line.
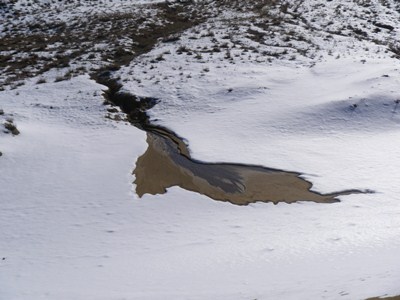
[[167, 162]]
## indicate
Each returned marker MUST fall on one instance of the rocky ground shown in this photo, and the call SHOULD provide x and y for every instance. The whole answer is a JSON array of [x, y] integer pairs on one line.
[[77, 37]]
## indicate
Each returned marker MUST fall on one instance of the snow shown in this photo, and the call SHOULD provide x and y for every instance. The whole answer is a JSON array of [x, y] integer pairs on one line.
[[63, 182], [300, 117], [73, 227], [283, 114]]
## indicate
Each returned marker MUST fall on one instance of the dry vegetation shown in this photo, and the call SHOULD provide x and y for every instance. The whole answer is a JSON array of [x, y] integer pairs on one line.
[[92, 36], [85, 43]]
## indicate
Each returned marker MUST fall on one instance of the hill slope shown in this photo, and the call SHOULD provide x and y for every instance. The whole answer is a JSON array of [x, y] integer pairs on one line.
[[306, 86]]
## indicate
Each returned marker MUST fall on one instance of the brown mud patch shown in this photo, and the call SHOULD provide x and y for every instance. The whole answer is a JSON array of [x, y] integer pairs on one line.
[[385, 298], [167, 163]]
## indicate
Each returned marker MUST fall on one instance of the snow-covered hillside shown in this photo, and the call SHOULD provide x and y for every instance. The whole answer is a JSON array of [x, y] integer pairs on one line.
[[306, 86]]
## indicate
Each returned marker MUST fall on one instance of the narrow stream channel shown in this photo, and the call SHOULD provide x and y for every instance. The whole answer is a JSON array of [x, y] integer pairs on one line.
[[167, 162]]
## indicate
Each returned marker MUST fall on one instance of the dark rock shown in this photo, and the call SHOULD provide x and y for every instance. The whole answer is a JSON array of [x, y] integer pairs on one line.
[[112, 110], [384, 26], [11, 128]]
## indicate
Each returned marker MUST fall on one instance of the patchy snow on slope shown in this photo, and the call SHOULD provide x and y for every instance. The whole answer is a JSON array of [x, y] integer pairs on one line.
[[83, 36]]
